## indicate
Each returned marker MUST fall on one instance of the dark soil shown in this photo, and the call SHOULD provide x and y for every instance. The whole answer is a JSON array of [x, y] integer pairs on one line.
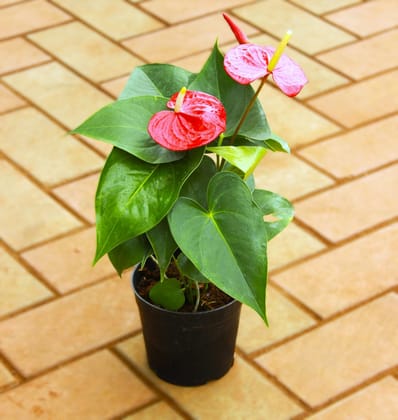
[[211, 297]]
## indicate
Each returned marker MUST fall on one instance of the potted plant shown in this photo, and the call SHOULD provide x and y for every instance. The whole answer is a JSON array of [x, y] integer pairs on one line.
[[177, 196]]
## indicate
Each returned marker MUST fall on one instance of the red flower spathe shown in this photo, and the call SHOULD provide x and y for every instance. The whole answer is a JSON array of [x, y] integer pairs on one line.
[[200, 119]]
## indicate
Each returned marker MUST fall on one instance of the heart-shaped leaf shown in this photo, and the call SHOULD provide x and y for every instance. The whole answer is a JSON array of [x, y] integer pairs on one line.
[[277, 206], [189, 270], [134, 196], [163, 245], [195, 186], [156, 80], [135, 250], [277, 144], [168, 294], [245, 158], [125, 125], [226, 242]]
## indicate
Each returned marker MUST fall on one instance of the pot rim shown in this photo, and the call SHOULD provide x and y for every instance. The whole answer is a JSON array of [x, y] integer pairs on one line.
[[176, 313]]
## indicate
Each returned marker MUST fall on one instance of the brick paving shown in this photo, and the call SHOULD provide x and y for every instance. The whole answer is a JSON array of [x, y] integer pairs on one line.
[[70, 336]]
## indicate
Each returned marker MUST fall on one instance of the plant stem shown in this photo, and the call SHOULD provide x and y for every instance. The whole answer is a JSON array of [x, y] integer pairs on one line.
[[195, 309], [248, 108]]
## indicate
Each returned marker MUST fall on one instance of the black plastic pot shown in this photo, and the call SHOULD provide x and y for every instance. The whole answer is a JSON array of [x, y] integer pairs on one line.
[[187, 348]]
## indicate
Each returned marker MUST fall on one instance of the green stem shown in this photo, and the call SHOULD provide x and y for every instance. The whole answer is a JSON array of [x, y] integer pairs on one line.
[[195, 309], [248, 108]]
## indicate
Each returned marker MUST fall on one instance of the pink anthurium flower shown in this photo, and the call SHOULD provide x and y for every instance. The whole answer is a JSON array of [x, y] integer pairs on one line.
[[198, 118], [248, 62]]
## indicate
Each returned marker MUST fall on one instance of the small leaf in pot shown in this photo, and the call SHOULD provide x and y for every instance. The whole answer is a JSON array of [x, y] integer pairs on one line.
[[168, 294]]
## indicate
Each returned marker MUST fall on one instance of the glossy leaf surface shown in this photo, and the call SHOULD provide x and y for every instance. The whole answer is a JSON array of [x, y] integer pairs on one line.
[[196, 185], [189, 270], [156, 80], [227, 241], [163, 245], [278, 207], [125, 125], [133, 251], [168, 294], [134, 196], [245, 158]]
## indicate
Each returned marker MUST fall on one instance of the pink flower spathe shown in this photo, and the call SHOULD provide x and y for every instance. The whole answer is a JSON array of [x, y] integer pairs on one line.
[[246, 63]]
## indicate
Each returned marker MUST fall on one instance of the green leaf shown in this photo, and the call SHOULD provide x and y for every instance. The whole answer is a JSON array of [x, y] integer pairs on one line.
[[196, 185], [134, 196], [163, 245], [124, 124], [245, 158], [235, 97], [129, 253], [189, 270], [156, 80], [277, 144], [168, 294], [279, 207], [226, 242]]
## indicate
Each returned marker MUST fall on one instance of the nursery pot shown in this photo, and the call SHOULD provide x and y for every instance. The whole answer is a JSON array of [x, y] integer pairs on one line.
[[188, 348]]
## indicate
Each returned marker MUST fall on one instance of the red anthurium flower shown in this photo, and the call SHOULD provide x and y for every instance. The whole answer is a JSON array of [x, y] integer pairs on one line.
[[198, 118], [248, 62]]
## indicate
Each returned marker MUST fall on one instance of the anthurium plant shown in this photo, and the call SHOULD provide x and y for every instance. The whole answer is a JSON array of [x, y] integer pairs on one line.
[[178, 186]]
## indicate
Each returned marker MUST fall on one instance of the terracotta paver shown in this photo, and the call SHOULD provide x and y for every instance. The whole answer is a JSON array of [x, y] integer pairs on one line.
[[6, 377], [79, 195], [80, 247], [285, 319], [8, 100], [289, 176], [342, 277], [340, 213], [355, 104], [352, 361], [39, 216], [297, 123], [41, 147], [70, 336], [311, 34], [19, 287], [108, 313], [291, 245], [243, 393], [367, 18], [27, 16], [46, 84], [173, 11], [115, 86], [156, 411], [184, 38], [127, 20], [377, 401], [18, 53], [323, 6], [374, 146], [364, 58], [97, 386], [108, 62]]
